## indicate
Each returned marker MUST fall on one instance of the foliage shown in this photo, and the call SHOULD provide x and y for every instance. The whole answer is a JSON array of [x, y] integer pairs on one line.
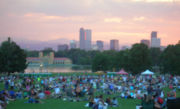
[[33, 53], [135, 60], [100, 62], [170, 59], [155, 54], [79, 57], [139, 58], [12, 57]]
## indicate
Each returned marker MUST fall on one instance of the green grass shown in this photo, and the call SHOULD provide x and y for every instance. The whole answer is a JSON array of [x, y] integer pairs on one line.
[[60, 104]]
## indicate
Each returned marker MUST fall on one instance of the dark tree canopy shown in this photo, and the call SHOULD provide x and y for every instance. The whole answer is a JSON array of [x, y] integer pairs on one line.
[[100, 62], [12, 57], [139, 58], [171, 59]]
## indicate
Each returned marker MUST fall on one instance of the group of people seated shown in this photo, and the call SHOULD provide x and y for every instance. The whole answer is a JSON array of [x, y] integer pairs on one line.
[[85, 88], [99, 103]]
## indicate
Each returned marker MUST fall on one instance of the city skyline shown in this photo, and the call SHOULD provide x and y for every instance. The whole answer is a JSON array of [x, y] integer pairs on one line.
[[129, 21]]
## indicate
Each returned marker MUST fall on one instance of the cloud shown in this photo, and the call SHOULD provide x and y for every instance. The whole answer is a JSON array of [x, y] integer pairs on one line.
[[47, 18], [139, 18], [113, 20], [44, 17], [156, 1]]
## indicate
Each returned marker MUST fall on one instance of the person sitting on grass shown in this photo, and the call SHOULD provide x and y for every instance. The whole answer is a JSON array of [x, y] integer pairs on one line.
[[102, 104], [19, 94], [91, 102], [147, 102], [57, 92], [41, 95], [114, 102], [12, 93], [108, 101], [3, 102], [32, 99], [47, 92]]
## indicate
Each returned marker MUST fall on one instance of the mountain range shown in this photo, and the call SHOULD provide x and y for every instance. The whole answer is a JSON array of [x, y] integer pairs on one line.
[[40, 45]]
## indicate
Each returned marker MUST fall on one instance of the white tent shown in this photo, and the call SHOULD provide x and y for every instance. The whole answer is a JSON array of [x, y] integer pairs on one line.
[[147, 72]]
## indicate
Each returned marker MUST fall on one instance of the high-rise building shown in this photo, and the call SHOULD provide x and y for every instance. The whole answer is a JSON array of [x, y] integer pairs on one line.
[[146, 42], [179, 42], [155, 42], [62, 47], [82, 38], [154, 34], [73, 44], [114, 45], [85, 39], [100, 45]]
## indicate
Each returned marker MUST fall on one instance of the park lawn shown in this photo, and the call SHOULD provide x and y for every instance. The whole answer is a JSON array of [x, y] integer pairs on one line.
[[60, 104]]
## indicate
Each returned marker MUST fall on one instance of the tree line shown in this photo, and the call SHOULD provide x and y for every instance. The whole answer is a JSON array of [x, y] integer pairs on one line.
[[134, 60], [139, 58]]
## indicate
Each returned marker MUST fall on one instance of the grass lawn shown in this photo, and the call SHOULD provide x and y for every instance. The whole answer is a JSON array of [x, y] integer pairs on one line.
[[60, 104]]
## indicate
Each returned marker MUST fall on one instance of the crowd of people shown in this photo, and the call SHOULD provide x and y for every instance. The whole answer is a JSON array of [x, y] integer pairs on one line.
[[90, 88]]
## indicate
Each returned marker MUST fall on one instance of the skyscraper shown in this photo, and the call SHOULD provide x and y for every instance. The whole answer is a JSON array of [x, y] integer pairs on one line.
[[82, 38], [155, 42], [100, 45], [88, 39], [85, 39], [73, 44], [154, 34], [146, 42], [114, 45]]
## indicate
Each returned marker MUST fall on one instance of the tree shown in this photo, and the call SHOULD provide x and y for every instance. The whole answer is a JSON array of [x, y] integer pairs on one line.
[[171, 59], [155, 54], [111, 54], [13, 58], [139, 58], [122, 60], [100, 62], [47, 50], [33, 53]]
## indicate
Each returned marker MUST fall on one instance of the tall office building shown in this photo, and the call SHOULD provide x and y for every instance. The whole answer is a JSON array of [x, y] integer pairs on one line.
[[154, 34], [146, 42], [85, 39], [100, 45], [88, 39], [73, 44], [82, 38], [114, 45], [155, 42]]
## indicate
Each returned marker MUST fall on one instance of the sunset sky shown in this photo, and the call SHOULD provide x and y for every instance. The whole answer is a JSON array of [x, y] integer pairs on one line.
[[126, 20]]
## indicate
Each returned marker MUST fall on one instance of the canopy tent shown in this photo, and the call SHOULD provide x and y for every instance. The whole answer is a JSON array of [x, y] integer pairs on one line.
[[122, 72], [111, 72], [147, 72]]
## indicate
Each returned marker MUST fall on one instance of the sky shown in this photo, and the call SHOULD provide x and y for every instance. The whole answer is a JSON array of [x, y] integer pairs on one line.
[[129, 21]]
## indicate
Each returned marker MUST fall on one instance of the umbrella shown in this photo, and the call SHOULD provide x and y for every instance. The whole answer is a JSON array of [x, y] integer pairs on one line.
[[147, 72], [122, 72]]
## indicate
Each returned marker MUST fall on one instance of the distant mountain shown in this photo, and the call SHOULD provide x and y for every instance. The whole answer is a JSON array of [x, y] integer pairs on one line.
[[39, 45]]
